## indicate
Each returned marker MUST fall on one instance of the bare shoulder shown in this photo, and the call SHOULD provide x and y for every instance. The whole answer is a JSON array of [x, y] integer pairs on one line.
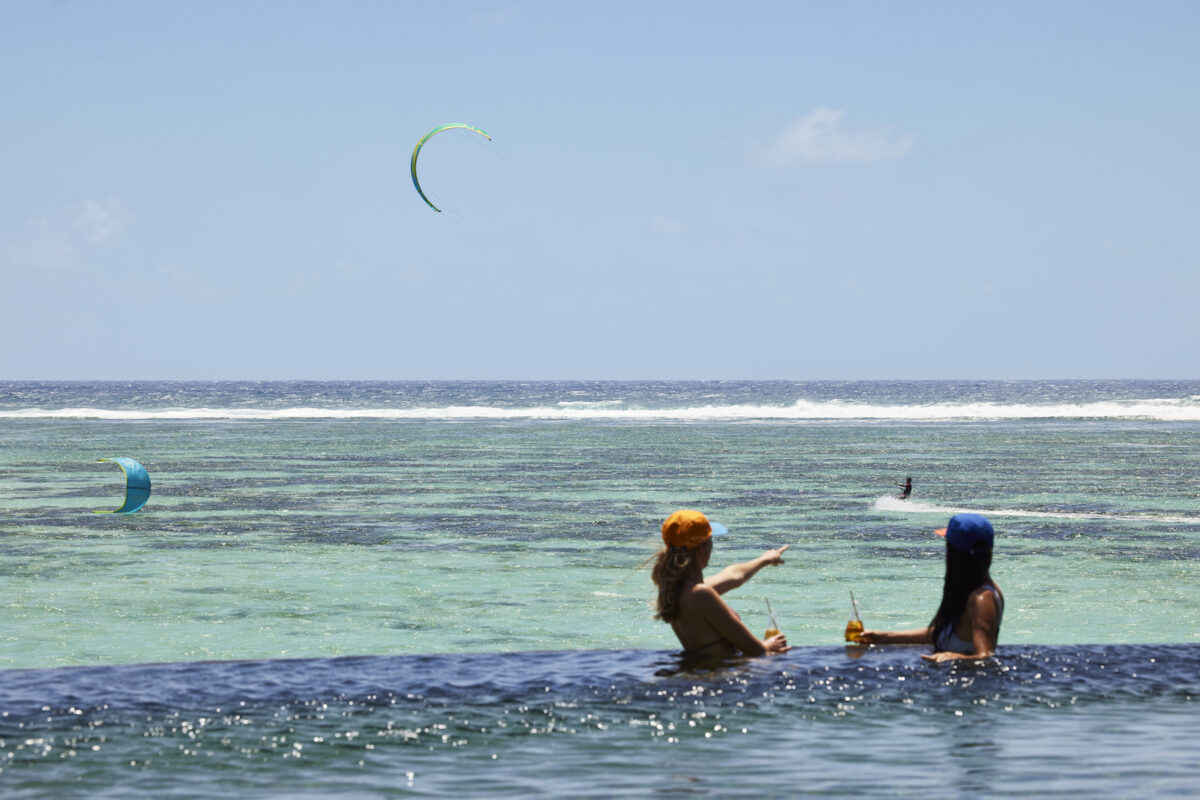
[[982, 599], [700, 595]]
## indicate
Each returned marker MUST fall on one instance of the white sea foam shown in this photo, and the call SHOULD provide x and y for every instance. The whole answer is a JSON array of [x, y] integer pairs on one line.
[[893, 503], [1167, 410]]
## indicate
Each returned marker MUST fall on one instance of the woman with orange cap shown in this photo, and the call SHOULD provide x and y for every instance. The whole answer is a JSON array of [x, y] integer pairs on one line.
[[692, 605], [967, 622]]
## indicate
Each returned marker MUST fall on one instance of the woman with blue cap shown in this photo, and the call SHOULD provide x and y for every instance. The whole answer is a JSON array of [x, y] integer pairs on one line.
[[692, 604], [967, 623]]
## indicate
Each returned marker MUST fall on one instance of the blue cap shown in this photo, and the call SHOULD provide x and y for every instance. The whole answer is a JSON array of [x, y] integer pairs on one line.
[[967, 530]]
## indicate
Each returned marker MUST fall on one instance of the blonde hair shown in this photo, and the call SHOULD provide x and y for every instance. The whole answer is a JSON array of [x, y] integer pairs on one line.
[[673, 565]]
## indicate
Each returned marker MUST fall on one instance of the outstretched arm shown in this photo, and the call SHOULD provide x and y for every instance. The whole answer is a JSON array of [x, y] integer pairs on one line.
[[735, 575], [914, 636]]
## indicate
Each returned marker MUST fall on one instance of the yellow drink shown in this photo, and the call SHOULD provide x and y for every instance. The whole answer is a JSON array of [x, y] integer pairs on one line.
[[854, 627], [772, 626]]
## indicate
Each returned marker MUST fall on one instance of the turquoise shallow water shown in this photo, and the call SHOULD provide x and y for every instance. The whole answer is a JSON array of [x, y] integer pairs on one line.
[[420, 521]]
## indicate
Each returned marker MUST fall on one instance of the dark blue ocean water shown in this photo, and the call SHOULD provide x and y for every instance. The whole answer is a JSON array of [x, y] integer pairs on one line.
[[1113, 720]]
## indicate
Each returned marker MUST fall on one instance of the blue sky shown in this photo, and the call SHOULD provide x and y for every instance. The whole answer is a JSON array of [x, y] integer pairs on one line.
[[202, 190]]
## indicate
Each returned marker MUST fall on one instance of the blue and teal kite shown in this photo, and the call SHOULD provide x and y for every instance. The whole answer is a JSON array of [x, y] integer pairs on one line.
[[137, 485]]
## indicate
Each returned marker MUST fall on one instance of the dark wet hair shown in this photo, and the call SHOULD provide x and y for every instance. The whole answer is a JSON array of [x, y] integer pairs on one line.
[[965, 572]]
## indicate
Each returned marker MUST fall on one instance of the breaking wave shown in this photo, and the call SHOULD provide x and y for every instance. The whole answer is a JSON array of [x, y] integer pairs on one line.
[[1165, 410]]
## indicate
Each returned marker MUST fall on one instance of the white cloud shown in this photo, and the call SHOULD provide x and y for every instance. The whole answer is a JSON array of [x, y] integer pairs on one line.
[[98, 222], [412, 274], [669, 227], [56, 241], [509, 17], [497, 16], [39, 245], [820, 136]]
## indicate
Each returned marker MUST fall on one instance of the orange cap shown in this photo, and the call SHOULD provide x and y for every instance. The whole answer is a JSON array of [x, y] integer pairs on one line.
[[687, 528]]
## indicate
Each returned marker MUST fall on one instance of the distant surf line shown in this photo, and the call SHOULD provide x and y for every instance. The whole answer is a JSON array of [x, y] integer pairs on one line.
[[1165, 410], [892, 503]]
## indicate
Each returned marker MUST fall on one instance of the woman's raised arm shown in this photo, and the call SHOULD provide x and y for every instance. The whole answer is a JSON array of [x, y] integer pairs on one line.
[[735, 575]]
